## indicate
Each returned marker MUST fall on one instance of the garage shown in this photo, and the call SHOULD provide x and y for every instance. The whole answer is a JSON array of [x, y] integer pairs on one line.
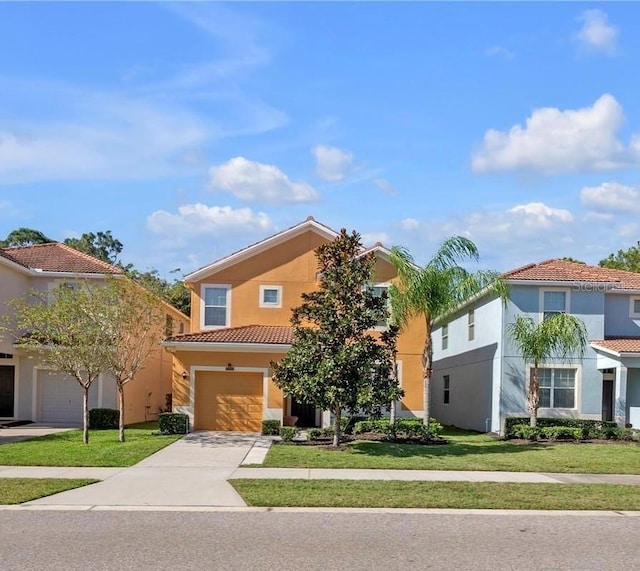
[[61, 398], [228, 401]]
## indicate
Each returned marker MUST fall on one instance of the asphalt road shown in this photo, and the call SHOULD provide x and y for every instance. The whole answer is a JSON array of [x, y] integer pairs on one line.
[[69, 541]]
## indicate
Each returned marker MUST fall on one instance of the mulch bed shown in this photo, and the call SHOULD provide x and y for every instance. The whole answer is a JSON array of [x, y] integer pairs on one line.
[[369, 436]]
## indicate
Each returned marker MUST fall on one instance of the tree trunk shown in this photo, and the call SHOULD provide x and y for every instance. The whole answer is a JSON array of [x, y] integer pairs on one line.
[[121, 419], [336, 427], [85, 414], [392, 405], [533, 398], [427, 361]]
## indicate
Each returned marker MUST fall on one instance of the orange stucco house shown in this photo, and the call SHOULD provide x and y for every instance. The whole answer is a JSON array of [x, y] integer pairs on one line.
[[240, 322]]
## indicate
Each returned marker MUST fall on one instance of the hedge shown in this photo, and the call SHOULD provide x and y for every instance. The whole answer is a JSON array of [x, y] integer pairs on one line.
[[104, 418], [591, 428], [271, 427], [173, 423]]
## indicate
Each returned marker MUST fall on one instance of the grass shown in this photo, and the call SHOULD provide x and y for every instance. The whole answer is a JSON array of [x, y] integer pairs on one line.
[[456, 495], [19, 490], [465, 451], [67, 449]]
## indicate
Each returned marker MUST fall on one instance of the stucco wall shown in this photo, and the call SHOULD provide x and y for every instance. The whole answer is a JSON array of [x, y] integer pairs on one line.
[[618, 320]]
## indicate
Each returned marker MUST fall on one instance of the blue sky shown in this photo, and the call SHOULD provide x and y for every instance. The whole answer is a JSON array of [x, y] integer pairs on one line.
[[193, 129]]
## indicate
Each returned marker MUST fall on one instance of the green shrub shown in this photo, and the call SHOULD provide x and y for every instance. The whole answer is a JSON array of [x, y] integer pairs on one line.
[[379, 426], [315, 434], [173, 423], [404, 427], [103, 418], [350, 425], [287, 433], [271, 427], [559, 432], [628, 434], [525, 431], [590, 428]]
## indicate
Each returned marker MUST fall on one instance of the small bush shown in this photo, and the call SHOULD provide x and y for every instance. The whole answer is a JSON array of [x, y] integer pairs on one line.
[[315, 434], [287, 433], [271, 427], [590, 428], [628, 434], [350, 425], [525, 431], [561, 432], [404, 427], [103, 418], [173, 423]]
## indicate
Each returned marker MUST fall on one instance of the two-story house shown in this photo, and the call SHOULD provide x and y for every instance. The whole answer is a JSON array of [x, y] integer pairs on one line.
[[479, 376], [28, 390], [240, 322]]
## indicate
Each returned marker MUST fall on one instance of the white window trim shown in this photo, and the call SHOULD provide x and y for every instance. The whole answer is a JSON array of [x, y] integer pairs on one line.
[[385, 285], [443, 337], [567, 306], [263, 303], [578, 387], [632, 300], [202, 306]]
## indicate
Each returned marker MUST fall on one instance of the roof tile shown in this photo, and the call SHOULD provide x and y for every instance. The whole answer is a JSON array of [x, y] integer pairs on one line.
[[558, 270], [263, 334], [56, 257], [620, 344]]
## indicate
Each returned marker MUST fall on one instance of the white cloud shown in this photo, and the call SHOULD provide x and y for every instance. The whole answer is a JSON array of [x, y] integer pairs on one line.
[[555, 141], [409, 224], [253, 181], [611, 196], [200, 220], [385, 186], [500, 51], [332, 164], [372, 238], [596, 34], [537, 215]]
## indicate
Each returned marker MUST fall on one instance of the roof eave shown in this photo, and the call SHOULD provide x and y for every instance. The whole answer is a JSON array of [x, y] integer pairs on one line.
[[214, 346]]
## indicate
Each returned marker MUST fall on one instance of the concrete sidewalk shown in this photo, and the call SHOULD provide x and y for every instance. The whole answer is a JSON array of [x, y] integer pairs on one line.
[[190, 472], [27, 431]]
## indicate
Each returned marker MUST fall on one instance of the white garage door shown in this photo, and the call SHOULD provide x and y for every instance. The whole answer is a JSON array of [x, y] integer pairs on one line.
[[61, 398]]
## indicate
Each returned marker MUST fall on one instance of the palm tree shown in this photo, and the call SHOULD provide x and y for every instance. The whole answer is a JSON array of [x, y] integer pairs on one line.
[[557, 336], [436, 290]]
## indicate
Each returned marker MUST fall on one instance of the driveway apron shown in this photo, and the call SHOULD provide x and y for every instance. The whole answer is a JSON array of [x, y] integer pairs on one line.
[[189, 472]]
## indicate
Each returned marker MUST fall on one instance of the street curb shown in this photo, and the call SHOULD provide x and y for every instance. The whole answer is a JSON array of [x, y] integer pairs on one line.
[[409, 511]]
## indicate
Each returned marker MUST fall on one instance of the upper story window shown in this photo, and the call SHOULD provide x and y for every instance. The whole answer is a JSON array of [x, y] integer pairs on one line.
[[471, 323], [216, 305], [446, 390], [554, 301], [6, 356], [445, 336], [270, 296], [557, 388], [378, 290], [634, 310]]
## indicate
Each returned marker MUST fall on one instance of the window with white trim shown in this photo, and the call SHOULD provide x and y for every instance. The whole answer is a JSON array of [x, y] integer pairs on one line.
[[446, 390], [553, 301], [557, 387], [215, 305], [634, 309], [379, 290], [270, 296], [445, 336], [471, 323]]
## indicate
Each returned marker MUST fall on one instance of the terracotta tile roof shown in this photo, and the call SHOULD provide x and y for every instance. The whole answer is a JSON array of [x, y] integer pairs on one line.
[[564, 271], [55, 257], [620, 344], [263, 334]]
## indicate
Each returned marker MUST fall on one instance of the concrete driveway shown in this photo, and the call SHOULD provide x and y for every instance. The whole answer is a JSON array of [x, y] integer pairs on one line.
[[27, 431], [190, 472]]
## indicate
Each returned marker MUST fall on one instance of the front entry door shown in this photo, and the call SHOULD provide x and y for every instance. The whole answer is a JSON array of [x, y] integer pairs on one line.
[[7, 390], [607, 400], [306, 414]]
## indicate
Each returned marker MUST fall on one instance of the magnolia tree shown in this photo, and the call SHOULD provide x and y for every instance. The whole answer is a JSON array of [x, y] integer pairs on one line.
[[65, 327], [336, 362], [111, 327]]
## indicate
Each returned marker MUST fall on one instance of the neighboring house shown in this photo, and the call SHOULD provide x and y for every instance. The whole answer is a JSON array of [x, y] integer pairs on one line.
[[240, 322], [28, 390], [480, 378]]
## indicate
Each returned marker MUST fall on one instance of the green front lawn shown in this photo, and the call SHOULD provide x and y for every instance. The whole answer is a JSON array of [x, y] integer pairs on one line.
[[67, 449], [20, 490], [465, 451], [455, 495]]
